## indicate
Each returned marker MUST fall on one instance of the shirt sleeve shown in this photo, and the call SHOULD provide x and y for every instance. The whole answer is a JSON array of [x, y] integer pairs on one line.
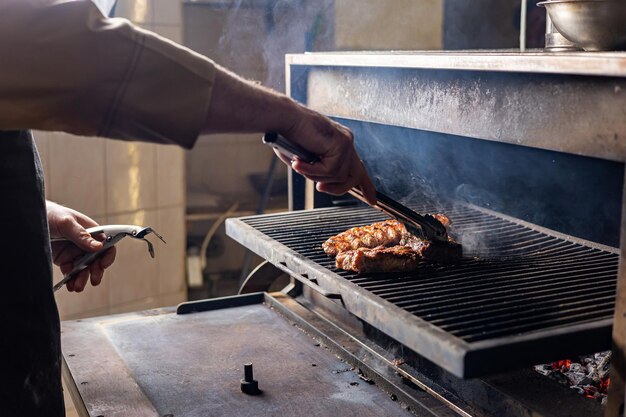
[[66, 67]]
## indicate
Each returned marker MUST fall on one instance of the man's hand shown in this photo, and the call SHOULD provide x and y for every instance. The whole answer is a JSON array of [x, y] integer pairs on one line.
[[70, 224], [340, 168], [238, 105]]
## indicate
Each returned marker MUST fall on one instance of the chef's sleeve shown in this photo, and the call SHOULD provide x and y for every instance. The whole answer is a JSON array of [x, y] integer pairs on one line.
[[66, 67]]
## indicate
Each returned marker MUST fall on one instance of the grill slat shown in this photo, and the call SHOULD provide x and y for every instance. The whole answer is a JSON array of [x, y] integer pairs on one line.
[[501, 284], [515, 279], [584, 317], [536, 306]]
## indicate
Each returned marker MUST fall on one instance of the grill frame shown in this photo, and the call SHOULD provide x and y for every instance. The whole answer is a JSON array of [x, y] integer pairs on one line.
[[460, 357]]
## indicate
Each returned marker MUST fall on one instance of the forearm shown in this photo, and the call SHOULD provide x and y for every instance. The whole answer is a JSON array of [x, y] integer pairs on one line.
[[238, 105]]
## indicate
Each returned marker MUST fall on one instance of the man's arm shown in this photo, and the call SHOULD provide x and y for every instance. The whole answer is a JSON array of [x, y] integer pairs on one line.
[[238, 105], [71, 69], [66, 67]]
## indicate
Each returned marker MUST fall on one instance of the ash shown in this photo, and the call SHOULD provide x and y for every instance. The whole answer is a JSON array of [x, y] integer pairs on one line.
[[589, 375]]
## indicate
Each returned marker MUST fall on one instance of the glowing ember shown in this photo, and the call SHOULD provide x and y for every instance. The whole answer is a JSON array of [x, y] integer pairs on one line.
[[562, 365], [587, 374]]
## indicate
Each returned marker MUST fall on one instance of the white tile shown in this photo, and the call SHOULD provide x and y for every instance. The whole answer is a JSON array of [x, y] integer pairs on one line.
[[134, 275], [76, 175], [167, 12], [171, 256], [170, 175], [390, 24], [130, 176], [173, 299], [171, 32]]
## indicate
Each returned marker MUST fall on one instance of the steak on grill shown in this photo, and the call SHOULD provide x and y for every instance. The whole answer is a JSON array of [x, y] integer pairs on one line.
[[388, 247], [441, 252], [381, 259], [399, 258], [387, 233]]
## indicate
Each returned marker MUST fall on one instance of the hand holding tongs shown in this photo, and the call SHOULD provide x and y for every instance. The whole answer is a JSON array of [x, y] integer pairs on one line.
[[113, 234], [421, 225]]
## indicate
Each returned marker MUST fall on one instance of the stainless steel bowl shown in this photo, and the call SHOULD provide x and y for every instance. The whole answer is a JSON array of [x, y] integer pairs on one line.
[[596, 25]]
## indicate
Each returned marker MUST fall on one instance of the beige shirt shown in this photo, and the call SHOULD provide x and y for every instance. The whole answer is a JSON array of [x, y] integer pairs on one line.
[[66, 67]]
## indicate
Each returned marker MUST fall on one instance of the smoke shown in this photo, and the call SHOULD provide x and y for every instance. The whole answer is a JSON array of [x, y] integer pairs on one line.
[[575, 195], [252, 38]]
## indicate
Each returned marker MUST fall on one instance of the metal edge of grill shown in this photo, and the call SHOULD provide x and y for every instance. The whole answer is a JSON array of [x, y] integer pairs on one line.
[[460, 357]]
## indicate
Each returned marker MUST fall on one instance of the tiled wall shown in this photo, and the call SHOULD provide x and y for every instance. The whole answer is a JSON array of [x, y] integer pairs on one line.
[[389, 24], [128, 183]]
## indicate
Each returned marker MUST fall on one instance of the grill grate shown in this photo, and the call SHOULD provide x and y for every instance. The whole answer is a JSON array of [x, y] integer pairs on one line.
[[515, 279]]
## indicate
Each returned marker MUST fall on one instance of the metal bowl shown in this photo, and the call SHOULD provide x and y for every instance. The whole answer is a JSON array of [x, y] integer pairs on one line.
[[596, 25]]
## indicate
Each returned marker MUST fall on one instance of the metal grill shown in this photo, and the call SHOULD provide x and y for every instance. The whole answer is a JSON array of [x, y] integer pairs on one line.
[[520, 289]]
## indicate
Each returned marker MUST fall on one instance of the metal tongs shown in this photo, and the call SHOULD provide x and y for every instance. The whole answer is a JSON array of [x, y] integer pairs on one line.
[[113, 233], [423, 225]]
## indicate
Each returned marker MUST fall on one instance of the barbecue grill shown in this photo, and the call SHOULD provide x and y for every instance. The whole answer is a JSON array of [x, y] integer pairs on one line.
[[523, 152], [528, 136], [504, 300]]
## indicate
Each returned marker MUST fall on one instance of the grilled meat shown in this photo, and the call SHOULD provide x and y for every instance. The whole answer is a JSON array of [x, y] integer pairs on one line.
[[441, 252], [380, 259], [387, 233], [388, 247]]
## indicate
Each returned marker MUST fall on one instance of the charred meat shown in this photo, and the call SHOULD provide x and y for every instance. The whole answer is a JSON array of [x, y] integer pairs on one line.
[[381, 259], [441, 252], [387, 233], [388, 247]]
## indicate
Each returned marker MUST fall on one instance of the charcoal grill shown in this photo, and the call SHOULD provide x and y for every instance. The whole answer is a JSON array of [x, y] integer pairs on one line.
[[524, 285], [540, 276]]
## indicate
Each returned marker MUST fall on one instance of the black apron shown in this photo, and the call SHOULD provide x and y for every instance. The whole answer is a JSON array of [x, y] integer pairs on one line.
[[30, 353]]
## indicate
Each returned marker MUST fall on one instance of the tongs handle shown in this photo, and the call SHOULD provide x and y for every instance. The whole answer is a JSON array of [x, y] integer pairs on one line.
[[86, 260], [425, 225], [288, 148], [113, 233]]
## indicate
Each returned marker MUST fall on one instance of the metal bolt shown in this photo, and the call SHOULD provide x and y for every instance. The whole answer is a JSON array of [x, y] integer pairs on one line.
[[248, 372], [248, 384]]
